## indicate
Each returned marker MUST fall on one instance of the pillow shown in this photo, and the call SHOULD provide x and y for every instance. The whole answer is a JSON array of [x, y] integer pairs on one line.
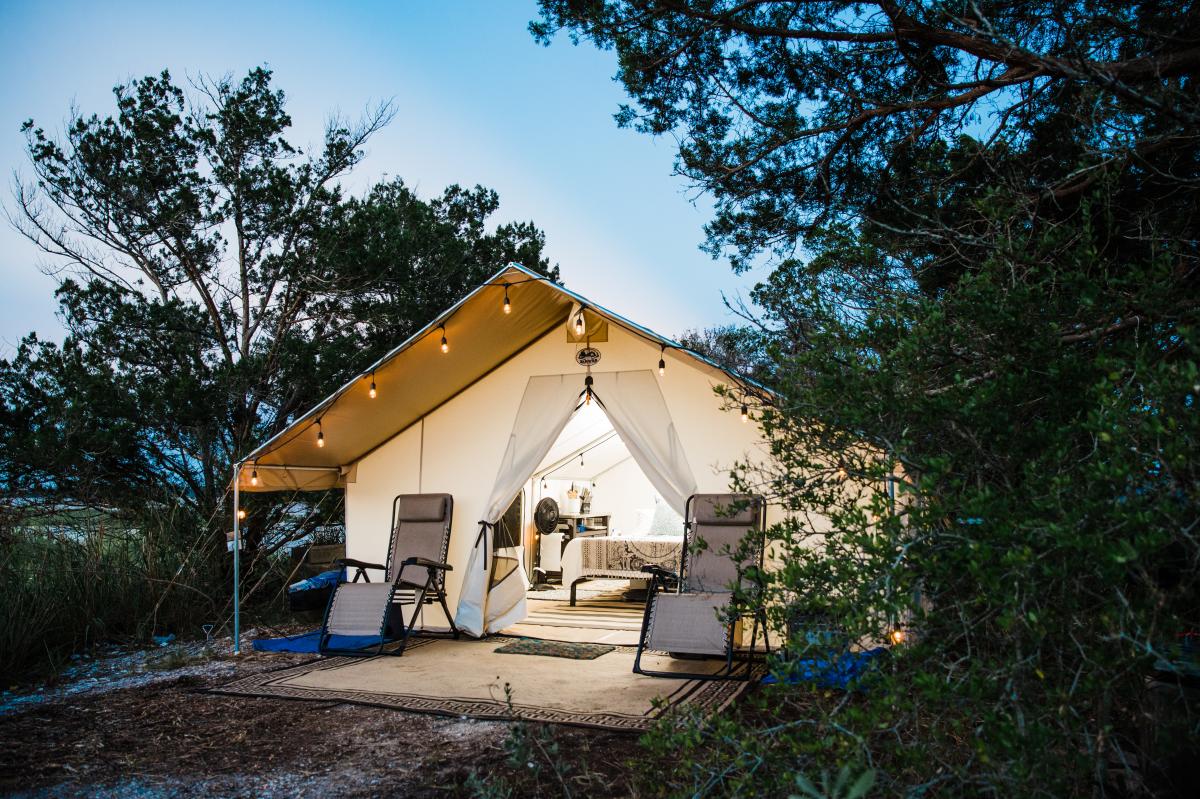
[[422, 508], [665, 521], [641, 525]]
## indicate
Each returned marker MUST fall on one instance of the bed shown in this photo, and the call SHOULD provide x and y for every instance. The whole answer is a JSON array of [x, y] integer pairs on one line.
[[618, 556]]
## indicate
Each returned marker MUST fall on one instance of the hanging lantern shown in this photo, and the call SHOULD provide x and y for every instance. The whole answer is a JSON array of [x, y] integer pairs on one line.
[[662, 360], [507, 304], [745, 413], [445, 344], [579, 322], [372, 393], [254, 477], [320, 434]]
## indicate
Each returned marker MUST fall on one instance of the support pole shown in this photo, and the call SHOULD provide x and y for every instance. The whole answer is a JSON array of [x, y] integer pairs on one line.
[[237, 560]]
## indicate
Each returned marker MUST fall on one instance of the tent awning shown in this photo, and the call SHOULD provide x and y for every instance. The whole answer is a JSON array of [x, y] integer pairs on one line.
[[417, 377]]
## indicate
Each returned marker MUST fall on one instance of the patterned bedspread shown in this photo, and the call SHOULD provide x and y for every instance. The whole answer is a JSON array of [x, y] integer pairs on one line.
[[618, 557]]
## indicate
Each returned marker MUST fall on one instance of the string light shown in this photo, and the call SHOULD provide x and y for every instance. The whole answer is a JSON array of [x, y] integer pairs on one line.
[[241, 514], [581, 459], [843, 474], [897, 636], [445, 344], [320, 434], [745, 413], [662, 360], [254, 477], [372, 393], [507, 304], [579, 322]]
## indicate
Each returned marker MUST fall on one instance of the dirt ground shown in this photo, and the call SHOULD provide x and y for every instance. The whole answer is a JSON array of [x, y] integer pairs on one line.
[[163, 736]]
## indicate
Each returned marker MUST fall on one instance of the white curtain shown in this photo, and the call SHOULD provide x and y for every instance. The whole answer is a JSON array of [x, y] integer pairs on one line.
[[493, 591], [639, 414]]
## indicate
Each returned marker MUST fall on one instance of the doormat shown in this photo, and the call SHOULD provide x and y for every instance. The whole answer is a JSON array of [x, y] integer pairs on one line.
[[468, 678], [555, 649]]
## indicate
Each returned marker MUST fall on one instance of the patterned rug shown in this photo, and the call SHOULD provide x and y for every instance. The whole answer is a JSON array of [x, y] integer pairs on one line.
[[468, 678], [606, 612], [601, 587], [555, 649]]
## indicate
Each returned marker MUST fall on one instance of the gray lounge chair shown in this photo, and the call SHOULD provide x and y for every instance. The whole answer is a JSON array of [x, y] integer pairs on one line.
[[414, 573], [694, 619]]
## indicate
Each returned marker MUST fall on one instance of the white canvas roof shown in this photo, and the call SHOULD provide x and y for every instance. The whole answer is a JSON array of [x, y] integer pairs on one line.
[[417, 377]]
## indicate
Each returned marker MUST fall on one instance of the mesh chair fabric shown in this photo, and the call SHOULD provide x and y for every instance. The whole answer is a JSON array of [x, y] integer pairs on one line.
[[688, 624], [358, 608]]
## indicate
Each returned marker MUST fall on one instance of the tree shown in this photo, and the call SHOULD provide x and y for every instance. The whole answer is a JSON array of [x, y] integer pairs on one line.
[[981, 219], [215, 282]]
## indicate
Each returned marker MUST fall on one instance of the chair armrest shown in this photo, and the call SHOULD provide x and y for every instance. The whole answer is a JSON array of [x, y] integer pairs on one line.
[[427, 563], [360, 567], [658, 571], [358, 564]]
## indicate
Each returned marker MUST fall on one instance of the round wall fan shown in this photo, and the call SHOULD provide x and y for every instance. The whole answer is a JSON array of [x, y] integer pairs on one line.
[[545, 516]]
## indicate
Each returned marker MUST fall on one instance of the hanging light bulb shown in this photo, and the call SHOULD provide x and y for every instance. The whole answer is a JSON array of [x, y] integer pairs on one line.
[[507, 304], [581, 460], [254, 477], [372, 393], [445, 344], [662, 362], [579, 322], [241, 514], [320, 434], [843, 474], [545, 485], [897, 636], [745, 413]]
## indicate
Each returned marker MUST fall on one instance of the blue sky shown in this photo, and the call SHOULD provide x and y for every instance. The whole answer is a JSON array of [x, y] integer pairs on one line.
[[477, 100]]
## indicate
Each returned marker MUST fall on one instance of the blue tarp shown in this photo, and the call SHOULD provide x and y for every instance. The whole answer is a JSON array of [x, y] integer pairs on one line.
[[307, 642], [322, 580], [837, 671]]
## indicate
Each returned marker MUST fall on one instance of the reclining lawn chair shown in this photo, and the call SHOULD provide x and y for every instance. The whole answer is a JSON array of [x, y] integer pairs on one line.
[[414, 573], [694, 619]]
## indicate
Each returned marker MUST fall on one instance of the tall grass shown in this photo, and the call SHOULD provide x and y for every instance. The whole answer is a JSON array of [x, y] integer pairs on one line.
[[75, 581]]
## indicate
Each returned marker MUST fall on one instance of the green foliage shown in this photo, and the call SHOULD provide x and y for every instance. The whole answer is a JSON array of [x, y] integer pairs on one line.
[[77, 579], [538, 766], [843, 786], [799, 114], [984, 374]]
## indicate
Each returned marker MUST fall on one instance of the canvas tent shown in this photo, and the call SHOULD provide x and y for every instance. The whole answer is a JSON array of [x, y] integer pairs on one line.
[[473, 404]]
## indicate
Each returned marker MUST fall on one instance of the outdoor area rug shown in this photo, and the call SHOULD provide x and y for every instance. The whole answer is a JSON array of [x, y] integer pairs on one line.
[[555, 649], [468, 678]]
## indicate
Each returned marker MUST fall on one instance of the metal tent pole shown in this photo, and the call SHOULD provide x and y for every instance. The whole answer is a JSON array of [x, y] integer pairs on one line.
[[237, 561]]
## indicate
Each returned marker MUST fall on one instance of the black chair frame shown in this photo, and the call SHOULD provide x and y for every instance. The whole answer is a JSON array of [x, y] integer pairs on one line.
[[432, 590], [658, 584]]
